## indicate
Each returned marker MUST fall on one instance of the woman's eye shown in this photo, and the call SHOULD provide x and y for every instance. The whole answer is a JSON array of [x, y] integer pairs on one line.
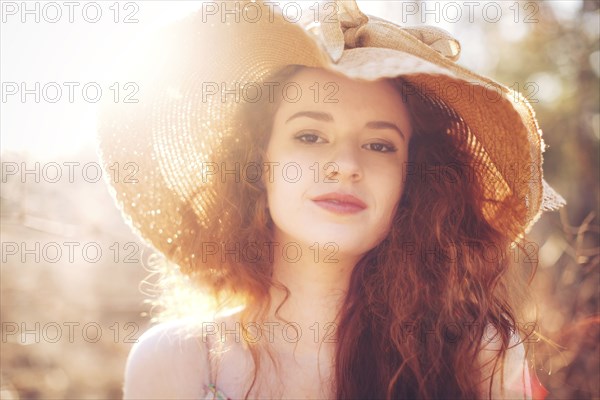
[[381, 147], [309, 138]]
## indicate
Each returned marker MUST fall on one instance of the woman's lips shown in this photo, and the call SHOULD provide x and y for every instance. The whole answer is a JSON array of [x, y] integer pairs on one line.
[[340, 203]]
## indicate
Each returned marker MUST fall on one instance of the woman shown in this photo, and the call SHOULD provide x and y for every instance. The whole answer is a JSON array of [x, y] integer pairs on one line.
[[343, 223]]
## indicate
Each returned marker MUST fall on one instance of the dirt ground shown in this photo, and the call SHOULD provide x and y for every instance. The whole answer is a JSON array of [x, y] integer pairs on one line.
[[68, 318]]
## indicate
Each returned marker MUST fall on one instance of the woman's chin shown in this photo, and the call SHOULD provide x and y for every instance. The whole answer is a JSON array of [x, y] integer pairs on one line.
[[335, 245]]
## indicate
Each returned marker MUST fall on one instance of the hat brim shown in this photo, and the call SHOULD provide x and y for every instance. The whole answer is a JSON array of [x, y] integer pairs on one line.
[[165, 138]]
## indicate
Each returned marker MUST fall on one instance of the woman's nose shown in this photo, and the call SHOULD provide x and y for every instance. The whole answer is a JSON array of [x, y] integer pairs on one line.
[[344, 162]]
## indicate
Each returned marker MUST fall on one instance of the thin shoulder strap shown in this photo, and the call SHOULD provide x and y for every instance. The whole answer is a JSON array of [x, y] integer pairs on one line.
[[213, 351]]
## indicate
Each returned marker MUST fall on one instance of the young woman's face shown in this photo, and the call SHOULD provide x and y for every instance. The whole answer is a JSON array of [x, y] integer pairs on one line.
[[338, 157]]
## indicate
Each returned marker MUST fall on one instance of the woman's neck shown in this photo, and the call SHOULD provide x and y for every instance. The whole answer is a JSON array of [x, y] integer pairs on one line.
[[318, 281]]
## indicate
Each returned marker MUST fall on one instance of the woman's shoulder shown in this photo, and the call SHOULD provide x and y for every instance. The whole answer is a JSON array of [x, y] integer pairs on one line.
[[169, 360], [509, 375]]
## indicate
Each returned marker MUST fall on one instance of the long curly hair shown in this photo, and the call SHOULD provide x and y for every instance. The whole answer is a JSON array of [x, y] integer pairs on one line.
[[418, 304]]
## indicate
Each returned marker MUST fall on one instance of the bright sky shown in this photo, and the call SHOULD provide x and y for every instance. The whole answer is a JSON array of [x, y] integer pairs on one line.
[[57, 53]]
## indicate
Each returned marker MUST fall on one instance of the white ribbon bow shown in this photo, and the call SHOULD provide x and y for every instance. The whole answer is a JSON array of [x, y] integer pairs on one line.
[[343, 26]]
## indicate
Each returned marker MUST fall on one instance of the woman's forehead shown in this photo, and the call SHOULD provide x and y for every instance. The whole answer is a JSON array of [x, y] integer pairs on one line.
[[315, 89]]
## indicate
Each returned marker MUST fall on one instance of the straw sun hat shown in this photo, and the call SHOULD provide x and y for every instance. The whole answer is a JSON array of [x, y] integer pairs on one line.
[[155, 150]]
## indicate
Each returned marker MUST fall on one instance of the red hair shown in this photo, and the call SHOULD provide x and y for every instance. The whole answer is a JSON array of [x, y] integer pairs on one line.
[[418, 304]]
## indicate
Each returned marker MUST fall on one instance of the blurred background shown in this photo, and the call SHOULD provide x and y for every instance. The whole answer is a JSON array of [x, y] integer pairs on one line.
[[70, 317]]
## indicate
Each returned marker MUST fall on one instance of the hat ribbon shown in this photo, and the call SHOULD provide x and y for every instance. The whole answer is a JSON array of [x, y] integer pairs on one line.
[[343, 26]]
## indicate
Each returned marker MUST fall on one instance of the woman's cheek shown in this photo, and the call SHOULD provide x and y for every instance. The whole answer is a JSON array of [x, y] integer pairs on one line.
[[394, 183]]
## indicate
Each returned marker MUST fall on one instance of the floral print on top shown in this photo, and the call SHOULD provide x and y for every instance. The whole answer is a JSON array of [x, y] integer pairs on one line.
[[213, 393]]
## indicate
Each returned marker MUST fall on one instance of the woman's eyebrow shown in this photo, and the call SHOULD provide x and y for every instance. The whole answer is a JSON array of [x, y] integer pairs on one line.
[[385, 125], [326, 117], [320, 116]]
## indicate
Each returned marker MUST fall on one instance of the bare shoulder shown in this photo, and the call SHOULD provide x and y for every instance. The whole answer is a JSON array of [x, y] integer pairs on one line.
[[169, 361], [509, 376]]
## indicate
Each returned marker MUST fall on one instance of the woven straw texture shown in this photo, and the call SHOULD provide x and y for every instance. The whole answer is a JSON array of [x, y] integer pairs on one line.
[[166, 138]]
